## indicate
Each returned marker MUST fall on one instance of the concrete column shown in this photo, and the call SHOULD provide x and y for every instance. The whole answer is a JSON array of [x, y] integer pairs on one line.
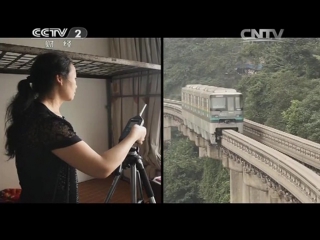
[[184, 130], [202, 152], [273, 196], [190, 134], [245, 192], [225, 161], [212, 151], [258, 191], [236, 182], [197, 141], [167, 134], [258, 196]]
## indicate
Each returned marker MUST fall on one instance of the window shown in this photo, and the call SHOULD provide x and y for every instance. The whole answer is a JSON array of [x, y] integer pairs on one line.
[[239, 103], [231, 103], [218, 103]]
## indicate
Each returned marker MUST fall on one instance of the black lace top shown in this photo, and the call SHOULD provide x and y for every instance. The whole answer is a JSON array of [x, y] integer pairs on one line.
[[45, 178]]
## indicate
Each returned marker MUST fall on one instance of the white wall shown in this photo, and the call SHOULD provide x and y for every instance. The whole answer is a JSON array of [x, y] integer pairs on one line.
[[87, 112]]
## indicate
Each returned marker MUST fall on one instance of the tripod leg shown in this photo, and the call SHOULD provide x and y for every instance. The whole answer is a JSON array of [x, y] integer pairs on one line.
[[145, 181], [140, 186], [114, 184], [133, 183]]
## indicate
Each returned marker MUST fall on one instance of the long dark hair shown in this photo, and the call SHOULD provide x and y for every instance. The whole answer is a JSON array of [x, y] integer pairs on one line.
[[41, 81]]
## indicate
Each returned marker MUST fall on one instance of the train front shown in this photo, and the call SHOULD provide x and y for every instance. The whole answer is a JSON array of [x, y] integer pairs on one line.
[[226, 112]]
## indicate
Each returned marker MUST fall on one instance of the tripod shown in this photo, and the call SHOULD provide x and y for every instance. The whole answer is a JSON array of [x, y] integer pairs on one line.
[[138, 173]]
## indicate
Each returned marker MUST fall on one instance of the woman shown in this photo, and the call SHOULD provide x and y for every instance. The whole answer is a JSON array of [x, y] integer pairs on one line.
[[46, 148]]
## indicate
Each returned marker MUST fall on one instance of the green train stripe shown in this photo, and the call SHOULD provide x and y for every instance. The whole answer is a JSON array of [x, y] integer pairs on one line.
[[206, 115]]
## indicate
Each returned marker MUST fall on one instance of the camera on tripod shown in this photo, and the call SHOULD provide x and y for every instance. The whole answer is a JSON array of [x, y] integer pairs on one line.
[[134, 162]]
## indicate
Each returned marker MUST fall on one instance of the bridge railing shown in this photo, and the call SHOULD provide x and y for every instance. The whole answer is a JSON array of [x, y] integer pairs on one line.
[[166, 100], [277, 169], [301, 149], [173, 108]]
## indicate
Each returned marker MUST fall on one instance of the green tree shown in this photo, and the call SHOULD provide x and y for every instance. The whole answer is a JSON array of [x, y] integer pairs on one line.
[[190, 179], [182, 173], [302, 118], [215, 185]]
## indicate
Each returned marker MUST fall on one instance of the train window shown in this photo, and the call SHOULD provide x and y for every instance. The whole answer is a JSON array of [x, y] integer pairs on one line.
[[218, 103], [231, 103], [239, 103]]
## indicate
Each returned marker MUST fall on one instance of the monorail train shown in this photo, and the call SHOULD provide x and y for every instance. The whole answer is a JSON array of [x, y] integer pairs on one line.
[[207, 110]]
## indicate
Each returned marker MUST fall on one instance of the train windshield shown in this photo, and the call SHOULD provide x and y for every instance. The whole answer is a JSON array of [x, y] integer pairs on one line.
[[227, 103], [231, 103], [218, 103], [239, 102]]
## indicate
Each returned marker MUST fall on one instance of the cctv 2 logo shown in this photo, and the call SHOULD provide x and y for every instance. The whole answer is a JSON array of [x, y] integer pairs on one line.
[[75, 32]]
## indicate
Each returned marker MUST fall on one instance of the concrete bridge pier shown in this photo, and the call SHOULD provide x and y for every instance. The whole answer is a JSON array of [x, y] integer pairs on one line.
[[190, 134], [213, 151], [199, 142], [202, 152], [167, 134], [258, 191], [236, 181], [245, 193], [184, 130], [273, 196]]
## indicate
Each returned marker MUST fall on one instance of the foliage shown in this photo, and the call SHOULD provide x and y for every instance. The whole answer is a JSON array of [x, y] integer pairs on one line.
[[182, 174], [215, 184], [190, 179], [303, 117]]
